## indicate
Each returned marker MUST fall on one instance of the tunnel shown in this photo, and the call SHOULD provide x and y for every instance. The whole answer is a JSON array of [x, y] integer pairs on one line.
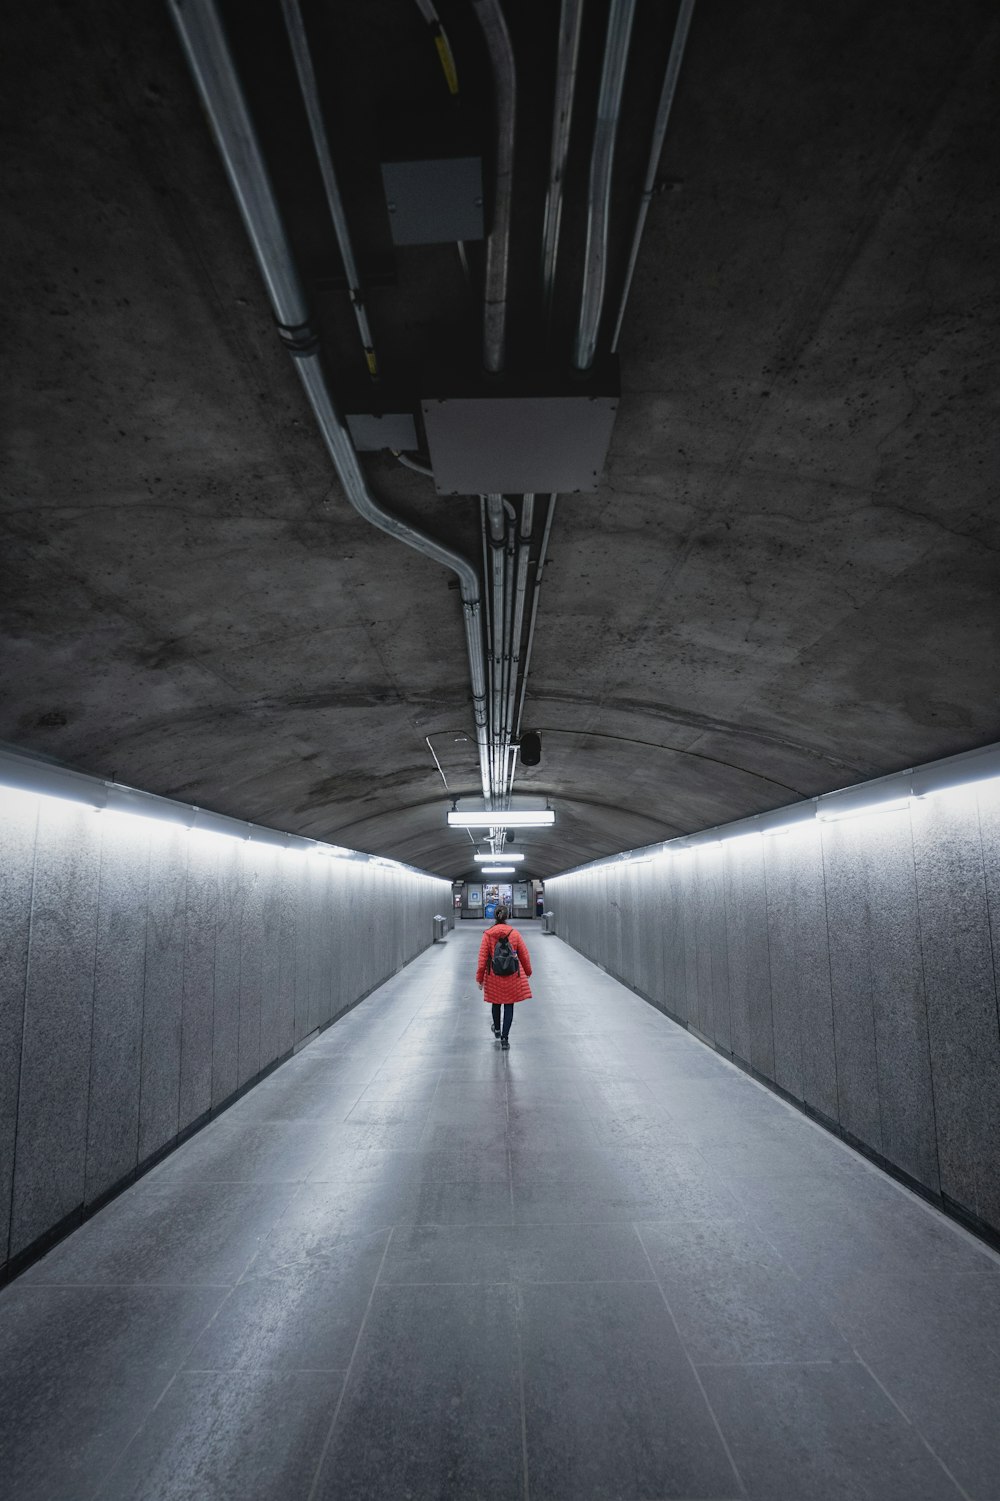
[[500, 751]]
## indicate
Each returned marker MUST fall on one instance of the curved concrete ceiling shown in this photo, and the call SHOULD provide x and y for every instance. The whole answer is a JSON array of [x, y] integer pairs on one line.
[[788, 580]]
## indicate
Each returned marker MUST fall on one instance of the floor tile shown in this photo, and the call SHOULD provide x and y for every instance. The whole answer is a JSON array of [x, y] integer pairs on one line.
[[523, 1253], [821, 1431], [934, 1344], [612, 1405], [231, 1436], [288, 1321], [432, 1406], [278, 1151], [166, 1231], [320, 1212], [80, 1369], [732, 1296]]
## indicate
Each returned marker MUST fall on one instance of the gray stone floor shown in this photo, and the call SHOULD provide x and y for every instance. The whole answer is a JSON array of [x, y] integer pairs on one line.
[[603, 1265]]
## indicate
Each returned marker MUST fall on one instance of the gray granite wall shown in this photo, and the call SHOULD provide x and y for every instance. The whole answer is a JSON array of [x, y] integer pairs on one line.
[[148, 974], [854, 964]]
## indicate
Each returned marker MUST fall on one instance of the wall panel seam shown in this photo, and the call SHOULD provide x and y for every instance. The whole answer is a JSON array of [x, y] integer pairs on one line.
[[770, 970], [102, 831], [24, 1023], [989, 914], [142, 1008], [927, 1022], [829, 972]]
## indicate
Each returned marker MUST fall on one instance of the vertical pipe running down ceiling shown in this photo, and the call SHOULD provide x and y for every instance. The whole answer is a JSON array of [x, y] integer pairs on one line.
[[570, 28], [601, 174], [207, 50], [310, 95], [517, 627], [536, 591], [510, 544], [495, 528], [501, 53], [487, 610], [667, 93]]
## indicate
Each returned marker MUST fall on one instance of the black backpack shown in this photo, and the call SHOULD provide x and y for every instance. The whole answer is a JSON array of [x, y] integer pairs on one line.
[[503, 960]]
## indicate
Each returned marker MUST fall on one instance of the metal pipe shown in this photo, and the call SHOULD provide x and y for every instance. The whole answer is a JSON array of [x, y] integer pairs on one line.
[[508, 651], [609, 101], [205, 45], [498, 241], [495, 525], [539, 575], [520, 595], [413, 464], [487, 612], [570, 28], [656, 150], [310, 95], [441, 43]]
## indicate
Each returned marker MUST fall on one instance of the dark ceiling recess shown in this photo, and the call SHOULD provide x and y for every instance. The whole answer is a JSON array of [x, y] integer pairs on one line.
[[780, 573]]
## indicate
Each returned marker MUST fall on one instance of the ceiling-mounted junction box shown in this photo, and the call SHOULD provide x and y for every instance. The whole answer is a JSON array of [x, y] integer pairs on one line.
[[371, 431], [542, 433], [432, 173]]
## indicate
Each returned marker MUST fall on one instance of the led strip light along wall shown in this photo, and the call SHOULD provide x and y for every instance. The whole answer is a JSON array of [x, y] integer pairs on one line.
[[32, 777], [893, 793]]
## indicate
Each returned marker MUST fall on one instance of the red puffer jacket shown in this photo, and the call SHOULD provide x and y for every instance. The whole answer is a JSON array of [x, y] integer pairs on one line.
[[500, 990]]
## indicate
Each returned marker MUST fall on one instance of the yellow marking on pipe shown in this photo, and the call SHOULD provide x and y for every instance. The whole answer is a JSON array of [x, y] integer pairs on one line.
[[447, 61], [372, 363]]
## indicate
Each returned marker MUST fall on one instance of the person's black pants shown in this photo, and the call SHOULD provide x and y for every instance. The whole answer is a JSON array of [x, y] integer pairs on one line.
[[508, 1016]]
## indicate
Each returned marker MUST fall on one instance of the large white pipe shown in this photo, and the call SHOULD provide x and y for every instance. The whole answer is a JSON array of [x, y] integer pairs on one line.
[[206, 47], [595, 266], [501, 53], [667, 93]]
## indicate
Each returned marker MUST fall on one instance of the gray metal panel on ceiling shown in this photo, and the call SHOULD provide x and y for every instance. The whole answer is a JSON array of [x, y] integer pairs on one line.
[[513, 444]]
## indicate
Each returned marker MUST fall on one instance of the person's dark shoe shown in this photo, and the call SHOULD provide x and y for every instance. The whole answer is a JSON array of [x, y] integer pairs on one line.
[[494, 1029], [504, 1043]]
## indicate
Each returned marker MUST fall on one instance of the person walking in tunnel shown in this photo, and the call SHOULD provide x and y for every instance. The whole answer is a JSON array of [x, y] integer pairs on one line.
[[502, 972]]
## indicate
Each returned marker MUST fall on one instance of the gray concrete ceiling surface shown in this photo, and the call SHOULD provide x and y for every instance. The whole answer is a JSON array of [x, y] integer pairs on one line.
[[788, 580]]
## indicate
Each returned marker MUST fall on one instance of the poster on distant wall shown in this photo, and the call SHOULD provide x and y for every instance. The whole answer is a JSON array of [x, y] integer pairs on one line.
[[475, 897], [521, 894]]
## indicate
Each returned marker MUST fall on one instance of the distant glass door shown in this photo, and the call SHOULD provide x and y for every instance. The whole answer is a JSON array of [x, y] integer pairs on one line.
[[493, 895]]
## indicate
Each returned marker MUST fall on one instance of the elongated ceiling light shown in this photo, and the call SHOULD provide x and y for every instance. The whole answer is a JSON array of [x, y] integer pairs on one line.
[[498, 870], [831, 813], [531, 818], [24, 775], [487, 859]]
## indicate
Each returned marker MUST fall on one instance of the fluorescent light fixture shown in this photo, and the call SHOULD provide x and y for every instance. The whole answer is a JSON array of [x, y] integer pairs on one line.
[[781, 828], [969, 788], [507, 855], [332, 851], [833, 813], [498, 870], [220, 825], [529, 818], [131, 803], [272, 839], [970, 769], [44, 779]]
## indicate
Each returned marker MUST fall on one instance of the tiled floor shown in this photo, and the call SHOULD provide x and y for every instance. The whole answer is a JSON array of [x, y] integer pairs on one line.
[[602, 1265]]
